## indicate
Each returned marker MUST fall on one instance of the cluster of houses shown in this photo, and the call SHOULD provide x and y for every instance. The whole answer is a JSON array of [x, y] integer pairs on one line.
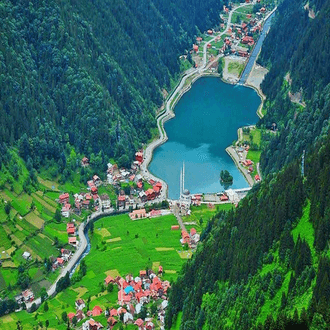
[[237, 33], [60, 261], [24, 297], [133, 293], [191, 238]]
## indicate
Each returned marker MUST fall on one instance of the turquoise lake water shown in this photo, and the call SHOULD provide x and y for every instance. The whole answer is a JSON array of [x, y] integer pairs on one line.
[[206, 121]]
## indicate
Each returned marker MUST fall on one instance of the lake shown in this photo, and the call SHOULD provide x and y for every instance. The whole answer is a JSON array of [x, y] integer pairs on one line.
[[206, 121]]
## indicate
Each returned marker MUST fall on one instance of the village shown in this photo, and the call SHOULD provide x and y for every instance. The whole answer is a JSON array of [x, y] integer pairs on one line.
[[233, 43], [133, 192]]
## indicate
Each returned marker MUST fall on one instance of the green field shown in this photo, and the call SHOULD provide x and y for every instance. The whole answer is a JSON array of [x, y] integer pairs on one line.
[[235, 68], [142, 243]]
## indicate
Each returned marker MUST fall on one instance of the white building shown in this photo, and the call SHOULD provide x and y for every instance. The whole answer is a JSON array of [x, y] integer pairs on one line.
[[105, 201]]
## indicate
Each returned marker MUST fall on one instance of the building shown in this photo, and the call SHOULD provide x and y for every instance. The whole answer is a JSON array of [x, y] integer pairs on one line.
[[121, 200], [138, 214], [28, 295], [64, 198], [85, 162], [105, 201], [195, 48], [185, 197], [139, 156], [26, 255]]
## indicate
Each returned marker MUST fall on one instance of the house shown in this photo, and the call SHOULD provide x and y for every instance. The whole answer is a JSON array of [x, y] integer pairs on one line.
[[94, 190], [92, 325], [257, 177], [121, 200], [64, 198], [175, 227], [143, 196], [247, 40], [97, 181], [143, 273], [70, 229], [247, 162], [263, 10], [97, 310], [128, 318], [160, 270], [111, 321], [139, 323], [71, 316], [60, 261], [139, 156], [210, 32], [209, 45], [85, 204], [195, 48], [90, 184], [65, 211], [113, 312], [80, 304], [105, 201], [193, 232], [66, 254], [156, 190], [138, 214], [150, 326], [80, 315], [199, 40], [109, 279], [243, 53], [251, 169], [248, 16], [73, 241], [85, 162], [28, 295], [123, 298], [26, 255], [150, 193], [155, 213]]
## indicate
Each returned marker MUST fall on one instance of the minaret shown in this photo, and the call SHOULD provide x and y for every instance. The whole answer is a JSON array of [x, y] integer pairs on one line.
[[180, 182], [183, 178]]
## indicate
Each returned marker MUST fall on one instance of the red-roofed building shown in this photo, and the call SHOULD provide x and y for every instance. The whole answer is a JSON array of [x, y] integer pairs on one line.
[[247, 40], [71, 231], [143, 273], [263, 9], [209, 32], [199, 40], [123, 298], [60, 261], [139, 156], [121, 200], [73, 240], [97, 310], [112, 321], [150, 194], [156, 189], [152, 182], [209, 45], [257, 177], [160, 270], [140, 184], [195, 48], [71, 316], [247, 162], [155, 213], [113, 312], [139, 323], [175, 227], [109, 279], [137, 286], [64, 198], [193, 231], [94, 190]]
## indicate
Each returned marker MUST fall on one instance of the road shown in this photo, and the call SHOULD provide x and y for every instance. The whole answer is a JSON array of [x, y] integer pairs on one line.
[[176, 212], [168, 113], [80, 250]]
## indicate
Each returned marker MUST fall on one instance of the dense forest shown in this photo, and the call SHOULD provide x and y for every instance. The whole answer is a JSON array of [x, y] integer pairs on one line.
[[87, 76], [266, 264]]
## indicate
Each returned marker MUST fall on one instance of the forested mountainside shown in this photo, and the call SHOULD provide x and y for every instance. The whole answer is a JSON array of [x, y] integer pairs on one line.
[[266, 265], [297, 53], [90, 73]]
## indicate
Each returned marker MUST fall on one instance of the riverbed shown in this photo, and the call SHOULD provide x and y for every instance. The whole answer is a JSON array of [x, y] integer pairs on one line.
[[206, 121]]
